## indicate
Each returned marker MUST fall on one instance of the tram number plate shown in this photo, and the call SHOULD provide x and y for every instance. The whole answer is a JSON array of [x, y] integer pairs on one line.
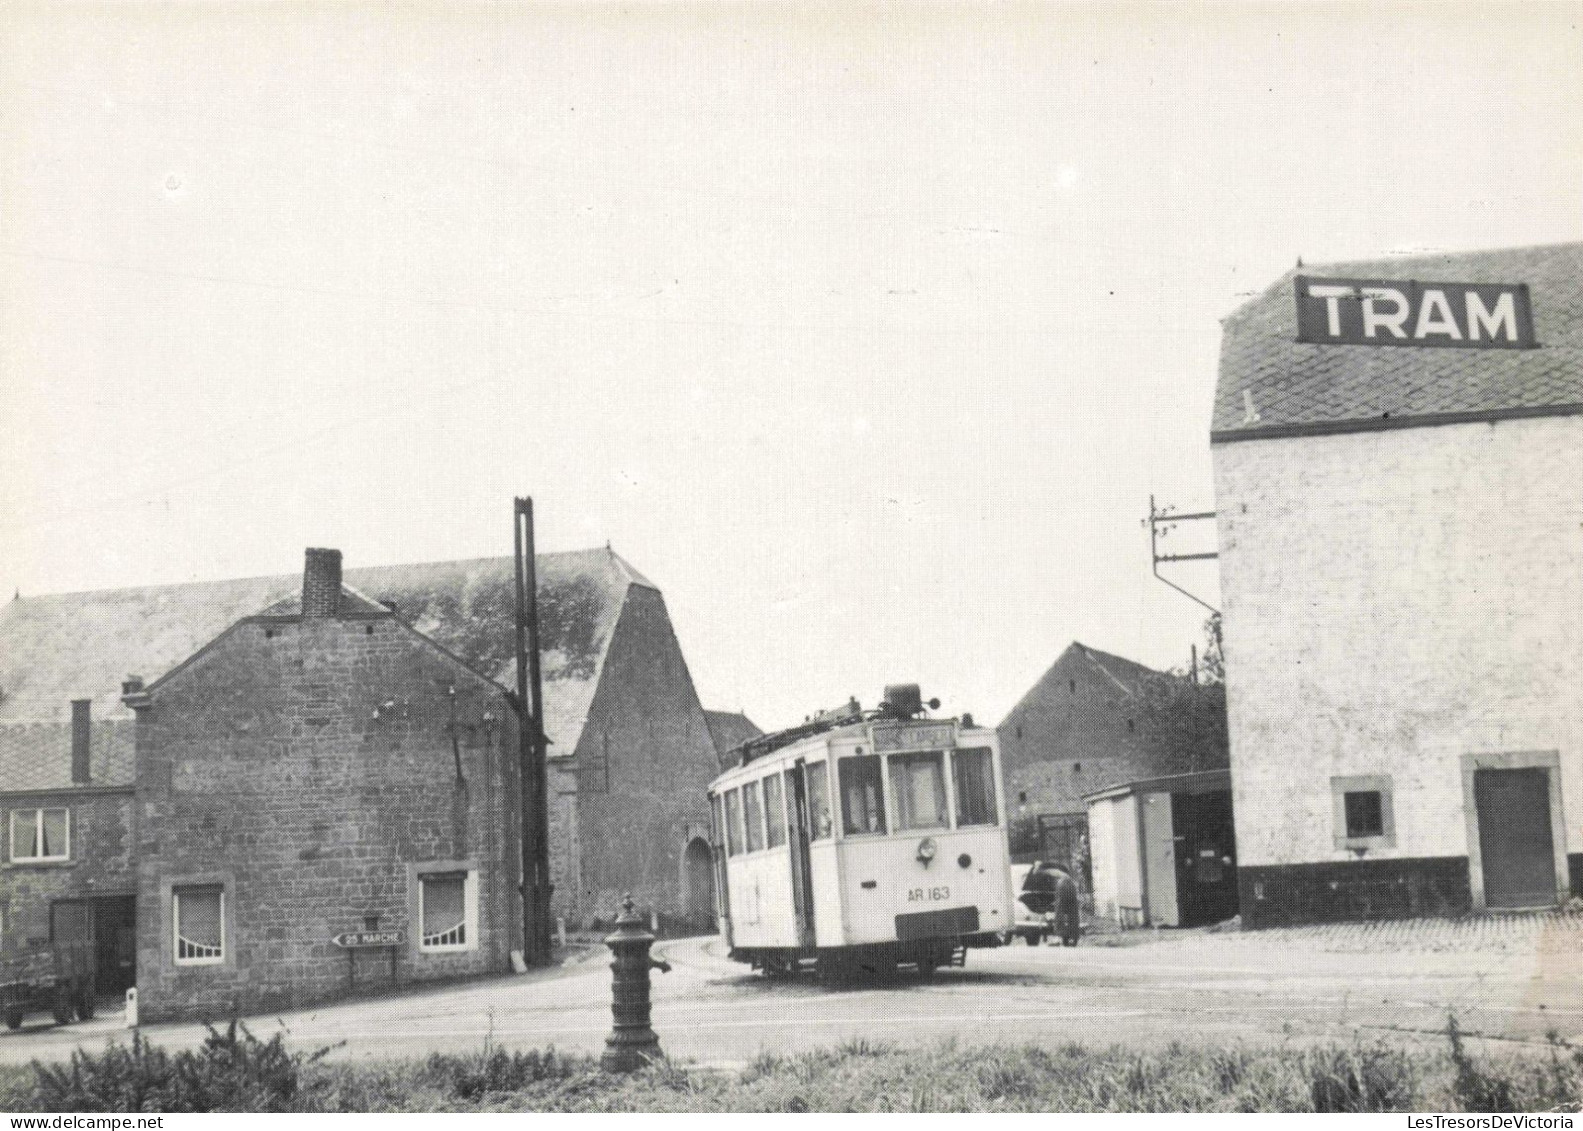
[[927, 895]]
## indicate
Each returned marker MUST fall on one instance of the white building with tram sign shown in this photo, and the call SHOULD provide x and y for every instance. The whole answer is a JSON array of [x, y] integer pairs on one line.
[[1398, 455]]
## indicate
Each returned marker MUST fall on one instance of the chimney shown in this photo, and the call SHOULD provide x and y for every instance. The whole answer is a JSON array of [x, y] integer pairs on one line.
[[81, 721], [321, 583]]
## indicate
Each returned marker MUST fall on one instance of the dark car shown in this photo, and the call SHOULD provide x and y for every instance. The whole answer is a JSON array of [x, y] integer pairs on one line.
[[1047, 904]]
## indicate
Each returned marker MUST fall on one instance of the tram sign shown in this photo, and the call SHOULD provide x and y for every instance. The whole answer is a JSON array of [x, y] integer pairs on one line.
[[353, 940], [1399, 312], [917, 736]]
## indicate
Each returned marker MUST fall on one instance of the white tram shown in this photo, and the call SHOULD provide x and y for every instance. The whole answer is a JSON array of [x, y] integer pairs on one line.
[[863, 841]]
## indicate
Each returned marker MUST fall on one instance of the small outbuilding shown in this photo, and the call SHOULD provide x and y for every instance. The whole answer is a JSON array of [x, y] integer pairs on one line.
[[1164, 851]]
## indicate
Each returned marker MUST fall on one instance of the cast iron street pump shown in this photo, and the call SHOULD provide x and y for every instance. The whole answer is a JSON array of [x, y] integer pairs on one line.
[[632, 1042]]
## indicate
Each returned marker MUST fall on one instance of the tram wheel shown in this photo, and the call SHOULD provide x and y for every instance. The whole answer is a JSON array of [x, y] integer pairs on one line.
[[13, 1019]]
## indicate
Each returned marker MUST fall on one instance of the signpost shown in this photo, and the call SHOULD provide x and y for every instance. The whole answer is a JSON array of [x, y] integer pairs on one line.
[[1401, 312], [353, 940]]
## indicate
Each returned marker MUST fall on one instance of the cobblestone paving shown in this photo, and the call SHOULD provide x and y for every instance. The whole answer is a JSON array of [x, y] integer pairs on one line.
[[1510, 933]]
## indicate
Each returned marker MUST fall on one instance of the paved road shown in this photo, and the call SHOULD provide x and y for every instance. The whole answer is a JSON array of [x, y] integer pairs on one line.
[[1510, 980]]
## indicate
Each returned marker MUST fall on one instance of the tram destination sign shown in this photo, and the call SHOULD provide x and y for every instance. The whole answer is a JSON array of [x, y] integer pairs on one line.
[[354, 940], [1399, 312]]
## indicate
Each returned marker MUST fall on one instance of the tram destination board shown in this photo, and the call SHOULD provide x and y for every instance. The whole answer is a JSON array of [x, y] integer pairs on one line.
[[926, 736], [355, 940]]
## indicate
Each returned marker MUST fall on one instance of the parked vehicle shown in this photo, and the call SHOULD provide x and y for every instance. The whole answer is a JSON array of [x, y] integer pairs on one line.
[[58, 979], [863, 841], [1048, 906]]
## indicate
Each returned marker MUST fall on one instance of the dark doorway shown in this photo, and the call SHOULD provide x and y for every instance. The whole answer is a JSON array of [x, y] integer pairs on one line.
[[801, 864], [115, 943], [107, 927], [698, 863], [1516, 842], [1206, 857]]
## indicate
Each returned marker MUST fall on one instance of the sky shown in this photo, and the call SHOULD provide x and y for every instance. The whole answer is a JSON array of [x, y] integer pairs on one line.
[[865, 332]]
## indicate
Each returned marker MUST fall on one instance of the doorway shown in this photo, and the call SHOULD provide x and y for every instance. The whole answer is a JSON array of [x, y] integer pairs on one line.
[[1516, 840], [1206, 857], [106, 926], [698, 869]]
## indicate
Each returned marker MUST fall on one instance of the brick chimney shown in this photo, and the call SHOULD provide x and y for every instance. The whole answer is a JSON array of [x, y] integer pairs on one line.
[[81, 739], [321, 583]]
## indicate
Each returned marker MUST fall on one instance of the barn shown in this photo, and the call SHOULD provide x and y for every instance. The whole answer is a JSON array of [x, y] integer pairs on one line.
[[1092, 721], [1398, 464]]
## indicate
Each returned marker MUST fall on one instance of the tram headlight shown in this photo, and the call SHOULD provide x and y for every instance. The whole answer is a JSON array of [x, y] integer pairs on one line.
[[926, 850]]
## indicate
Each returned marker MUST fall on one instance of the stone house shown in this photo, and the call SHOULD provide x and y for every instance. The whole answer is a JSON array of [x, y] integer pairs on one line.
[[319, 770], [1087, 725], [1398, 460], [630, 752]]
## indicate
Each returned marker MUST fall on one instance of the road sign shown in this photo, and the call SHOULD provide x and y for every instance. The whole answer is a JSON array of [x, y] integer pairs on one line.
[[355, 939]]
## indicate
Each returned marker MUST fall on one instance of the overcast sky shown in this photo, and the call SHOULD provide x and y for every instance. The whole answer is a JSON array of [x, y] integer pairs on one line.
[[865, 332]]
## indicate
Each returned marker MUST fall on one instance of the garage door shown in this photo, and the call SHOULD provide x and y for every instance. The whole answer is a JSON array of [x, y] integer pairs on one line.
[[1515, 838]]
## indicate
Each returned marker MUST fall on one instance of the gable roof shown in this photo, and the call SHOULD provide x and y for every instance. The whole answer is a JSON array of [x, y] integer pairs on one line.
[[1300, 387], [61, 647], [1127, 676], [729, 729]]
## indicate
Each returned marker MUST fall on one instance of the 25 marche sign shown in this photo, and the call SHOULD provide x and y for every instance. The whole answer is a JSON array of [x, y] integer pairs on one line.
[[353, 940], [1396, 312]]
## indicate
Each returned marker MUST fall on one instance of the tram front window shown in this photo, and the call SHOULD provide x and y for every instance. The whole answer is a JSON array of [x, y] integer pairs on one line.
[[918, 781], [819, 802], [974, 777], [862, 796]]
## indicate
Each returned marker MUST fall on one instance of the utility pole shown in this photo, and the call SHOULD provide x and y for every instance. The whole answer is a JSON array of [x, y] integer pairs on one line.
[[1161, 521], [532, 742]]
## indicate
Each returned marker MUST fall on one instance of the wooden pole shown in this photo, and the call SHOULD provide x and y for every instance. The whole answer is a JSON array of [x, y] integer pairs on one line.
[[531, 737]]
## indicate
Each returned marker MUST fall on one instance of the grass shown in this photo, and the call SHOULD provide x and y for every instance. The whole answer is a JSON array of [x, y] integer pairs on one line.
[[235, 1071]]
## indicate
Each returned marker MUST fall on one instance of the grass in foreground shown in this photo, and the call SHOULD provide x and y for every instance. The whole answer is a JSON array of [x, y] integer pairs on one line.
[[235, 1071]]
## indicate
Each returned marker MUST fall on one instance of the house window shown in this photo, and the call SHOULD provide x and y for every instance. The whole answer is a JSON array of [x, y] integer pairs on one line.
[[1363, 813], [447, 911], [197, 917], [918, 781], [1365, 817], [862, 795], [774, 811], [819, 801], [753, 815], [974, 778], [40, 834], [734, 822]]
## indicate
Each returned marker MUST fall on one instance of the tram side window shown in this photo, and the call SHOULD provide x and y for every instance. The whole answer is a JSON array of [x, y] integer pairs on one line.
[[733, 823], [774, 811], [819, 801], [720, 821], [862, 795], [753, 811], [918, 781], [974, 777]]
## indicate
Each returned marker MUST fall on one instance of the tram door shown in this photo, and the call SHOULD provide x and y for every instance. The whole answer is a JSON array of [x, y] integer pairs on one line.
[[802, 873]]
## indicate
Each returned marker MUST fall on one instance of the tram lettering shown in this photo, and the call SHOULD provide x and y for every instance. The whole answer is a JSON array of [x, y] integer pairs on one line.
[[928, 895]]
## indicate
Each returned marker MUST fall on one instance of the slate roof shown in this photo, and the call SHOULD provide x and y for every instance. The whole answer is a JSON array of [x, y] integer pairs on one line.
[[729, 729], [1297, 387], [61, 647]]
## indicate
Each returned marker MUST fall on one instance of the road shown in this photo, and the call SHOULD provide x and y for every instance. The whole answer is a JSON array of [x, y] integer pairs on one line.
[[1511, 982]]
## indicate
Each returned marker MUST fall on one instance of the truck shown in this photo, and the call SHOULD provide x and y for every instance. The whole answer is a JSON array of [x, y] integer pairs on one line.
[[57, 979]]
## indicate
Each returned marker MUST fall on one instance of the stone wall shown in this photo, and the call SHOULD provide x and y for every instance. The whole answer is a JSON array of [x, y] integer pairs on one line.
[[100, 864], [1396, 601], [1079, 732], [308, 767], [644, 761]]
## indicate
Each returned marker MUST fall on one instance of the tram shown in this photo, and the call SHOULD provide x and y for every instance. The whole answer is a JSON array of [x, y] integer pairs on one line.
[[863, 841]]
